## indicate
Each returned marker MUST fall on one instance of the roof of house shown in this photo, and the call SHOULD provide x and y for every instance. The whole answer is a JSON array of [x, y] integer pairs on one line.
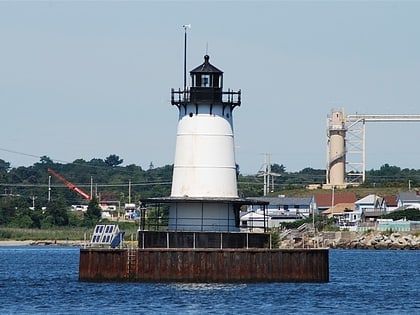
[[369, 199], [281, 201], [340, 208], [324, 200], [409, 196], [391, 201], [252, 215]]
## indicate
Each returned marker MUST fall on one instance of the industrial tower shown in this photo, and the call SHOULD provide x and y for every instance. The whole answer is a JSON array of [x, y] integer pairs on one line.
[[346, 144], [336, 150]]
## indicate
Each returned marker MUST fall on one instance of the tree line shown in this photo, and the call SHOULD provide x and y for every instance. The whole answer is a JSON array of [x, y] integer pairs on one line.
[[33, 197]]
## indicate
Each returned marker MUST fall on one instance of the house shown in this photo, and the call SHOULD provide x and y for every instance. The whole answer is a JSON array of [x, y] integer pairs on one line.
[[254, 221], [408, 199], [338, 210], [324, 201], [386, 204], [280, 209], [345, 215], [366, 204], [302, 206], [367, 207]]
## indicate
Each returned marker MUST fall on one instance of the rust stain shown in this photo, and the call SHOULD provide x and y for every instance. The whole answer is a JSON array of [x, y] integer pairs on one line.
[[204, 265]]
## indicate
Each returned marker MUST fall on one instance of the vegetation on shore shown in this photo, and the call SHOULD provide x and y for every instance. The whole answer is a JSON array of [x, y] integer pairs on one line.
[[60, 233], [35, 205]]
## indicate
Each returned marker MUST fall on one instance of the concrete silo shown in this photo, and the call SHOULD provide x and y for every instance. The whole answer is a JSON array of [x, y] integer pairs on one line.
[[336, 156]]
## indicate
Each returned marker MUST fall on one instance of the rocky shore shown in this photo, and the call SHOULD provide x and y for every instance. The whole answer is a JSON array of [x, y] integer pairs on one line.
[[354, 240], [380, 241]]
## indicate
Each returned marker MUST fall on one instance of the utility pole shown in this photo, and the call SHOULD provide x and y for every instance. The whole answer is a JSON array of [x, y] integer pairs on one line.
[[49, 188], [91, 187], [332, 202], [129, 191], [265, 171]]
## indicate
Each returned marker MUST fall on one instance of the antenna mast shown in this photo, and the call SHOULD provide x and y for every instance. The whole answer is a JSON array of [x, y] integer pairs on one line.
[[185, 26]]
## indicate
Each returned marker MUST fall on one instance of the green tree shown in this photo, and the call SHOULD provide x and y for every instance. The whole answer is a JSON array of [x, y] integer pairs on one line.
[[4, 166], [46, 160], [408, 214], [56, 213], [93, 213], [113, 160], [278, 169], [7, 209], [23, 221], [22, 214]]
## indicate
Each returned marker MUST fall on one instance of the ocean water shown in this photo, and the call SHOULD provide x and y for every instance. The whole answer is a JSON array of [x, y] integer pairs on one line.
[[44, 280]]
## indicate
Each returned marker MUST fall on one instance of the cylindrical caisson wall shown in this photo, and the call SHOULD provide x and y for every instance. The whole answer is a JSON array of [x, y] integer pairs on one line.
[[204, 265]]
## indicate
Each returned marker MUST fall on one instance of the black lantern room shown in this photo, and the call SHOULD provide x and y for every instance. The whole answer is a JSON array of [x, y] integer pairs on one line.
[[207, 88]]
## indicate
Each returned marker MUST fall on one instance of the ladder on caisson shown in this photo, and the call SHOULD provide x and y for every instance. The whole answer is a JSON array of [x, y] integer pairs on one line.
[[131, 263]]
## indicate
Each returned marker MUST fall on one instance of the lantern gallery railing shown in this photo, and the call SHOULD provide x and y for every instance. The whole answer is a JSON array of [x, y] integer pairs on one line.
[[205, 95]]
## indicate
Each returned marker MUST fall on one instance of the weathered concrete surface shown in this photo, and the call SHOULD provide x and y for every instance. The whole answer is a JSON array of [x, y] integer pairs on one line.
[[204, 265]]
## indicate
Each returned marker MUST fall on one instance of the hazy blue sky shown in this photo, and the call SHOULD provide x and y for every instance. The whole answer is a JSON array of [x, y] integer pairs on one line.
[[89, 79]]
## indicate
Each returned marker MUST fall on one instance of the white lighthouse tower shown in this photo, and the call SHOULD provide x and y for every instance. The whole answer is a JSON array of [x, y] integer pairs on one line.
[[204, 177]]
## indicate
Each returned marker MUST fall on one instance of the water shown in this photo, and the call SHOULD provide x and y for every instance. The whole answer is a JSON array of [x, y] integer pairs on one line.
[[44, 280]]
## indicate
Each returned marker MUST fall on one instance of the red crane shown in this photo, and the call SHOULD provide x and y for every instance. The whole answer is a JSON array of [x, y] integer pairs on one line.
[[70, 185]]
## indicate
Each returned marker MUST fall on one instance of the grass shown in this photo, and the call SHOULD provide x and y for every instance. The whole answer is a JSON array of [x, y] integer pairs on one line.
[[67, 233]]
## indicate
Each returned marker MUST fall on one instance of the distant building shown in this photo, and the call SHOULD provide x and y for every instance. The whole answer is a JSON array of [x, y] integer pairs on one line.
[[326, 201], [345, 214], [367, 207], [278, 210], [388, 203], [408, 200]]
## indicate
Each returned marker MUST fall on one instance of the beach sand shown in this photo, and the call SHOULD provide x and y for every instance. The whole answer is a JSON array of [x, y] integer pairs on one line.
[[46, 242], [15, 243]]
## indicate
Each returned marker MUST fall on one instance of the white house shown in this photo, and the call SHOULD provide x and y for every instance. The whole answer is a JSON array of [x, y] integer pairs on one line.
[[280, 209], [408, 200], [366, 204]]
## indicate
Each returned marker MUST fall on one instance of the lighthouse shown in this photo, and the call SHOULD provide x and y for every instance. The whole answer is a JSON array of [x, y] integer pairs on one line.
[[201, 240], [205, 175], [194, 235]]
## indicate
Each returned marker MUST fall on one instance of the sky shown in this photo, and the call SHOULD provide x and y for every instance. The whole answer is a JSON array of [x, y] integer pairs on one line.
[[87, 79]]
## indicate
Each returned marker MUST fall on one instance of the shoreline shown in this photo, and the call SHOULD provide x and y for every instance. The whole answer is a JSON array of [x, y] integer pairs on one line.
[[333, 245], [6, 243], [15, 243], [332, 240]]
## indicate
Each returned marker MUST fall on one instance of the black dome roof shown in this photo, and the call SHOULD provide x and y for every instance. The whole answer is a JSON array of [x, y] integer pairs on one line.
[[206, 67]]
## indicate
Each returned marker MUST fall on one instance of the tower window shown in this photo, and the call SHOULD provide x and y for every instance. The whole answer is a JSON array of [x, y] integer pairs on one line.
[[205, 80]]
